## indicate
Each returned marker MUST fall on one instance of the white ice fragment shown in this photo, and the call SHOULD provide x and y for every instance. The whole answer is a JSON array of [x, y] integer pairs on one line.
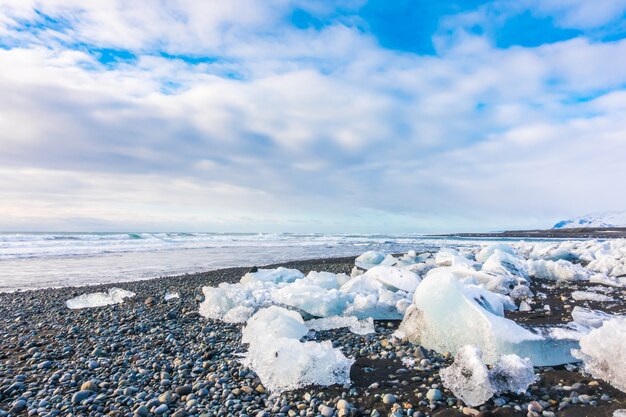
[[524, 306], [389, 260], [449, 258], [470, 380], [276, 275], [620, 412], [468, 377], [356, 326], [170, 296], [591, 296], [607, 280], [246, 299], [505, 263], [99, 299], [315, 300], [281, 361], [369, 259], [447, 315], [603, 352], [588, 318], [488, 250], [368, 297], [561, 270], [394, 278]]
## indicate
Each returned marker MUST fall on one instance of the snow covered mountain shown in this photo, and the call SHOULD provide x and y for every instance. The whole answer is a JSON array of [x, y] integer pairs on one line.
[[606, 219]]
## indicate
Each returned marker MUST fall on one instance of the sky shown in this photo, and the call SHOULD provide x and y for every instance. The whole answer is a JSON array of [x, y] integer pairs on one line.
[[310, 116]]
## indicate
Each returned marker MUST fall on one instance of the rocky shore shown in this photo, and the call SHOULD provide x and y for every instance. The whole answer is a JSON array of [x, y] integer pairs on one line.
[[151, 357]]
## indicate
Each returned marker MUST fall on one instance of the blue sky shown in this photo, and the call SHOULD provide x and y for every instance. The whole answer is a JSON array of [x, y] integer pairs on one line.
[[342, 116]]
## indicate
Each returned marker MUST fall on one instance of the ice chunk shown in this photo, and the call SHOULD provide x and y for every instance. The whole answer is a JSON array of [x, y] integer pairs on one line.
[[606, 280], [449, 258], [368, 297], [355, 325], [620, 412], [603, 352], [512, 374], [170, 296], [491, 281], [315, 300], [488, 250], [272, 275], [246, 299], [505, 263], [561, 270], [369, 259], [591, 296], [394, 278], [282, 362], [470, 380], [468, 377], [591, 319], [446, 315], [99, 299]]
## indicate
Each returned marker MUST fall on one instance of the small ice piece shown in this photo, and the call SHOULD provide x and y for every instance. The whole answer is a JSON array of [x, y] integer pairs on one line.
[[603, 352], [512, 374], [468, 377], [356, 326], [589, 318], [282, 362], [218, 301], [315, 300], [170, 296], [368, 297], [591, 296], [449, 258], [607, 280], [394, 278], [389, 260], [99, 299], [505, 263], [276, 275], [620, 412], [369, 259], [561, 270], [524, 306], [470, 380], [488, 250]]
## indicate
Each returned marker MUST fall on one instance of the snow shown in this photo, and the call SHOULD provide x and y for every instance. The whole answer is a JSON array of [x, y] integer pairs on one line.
[[561, 270], [281, 361], [470, 380], [605, 219], [447, 315], [369, 259], [591, 296], [356, 326], [99, 299], [394, 278], [603, 352]]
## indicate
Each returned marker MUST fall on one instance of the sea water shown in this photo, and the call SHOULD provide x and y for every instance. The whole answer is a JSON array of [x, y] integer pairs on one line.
[[41, 260]]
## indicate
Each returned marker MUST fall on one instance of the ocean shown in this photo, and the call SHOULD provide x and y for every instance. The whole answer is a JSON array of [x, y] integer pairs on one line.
[[42, 260]]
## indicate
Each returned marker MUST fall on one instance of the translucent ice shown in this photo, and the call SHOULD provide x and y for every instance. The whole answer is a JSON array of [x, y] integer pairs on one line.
[[369, 259], [505, 263], [394, 278], [470, 380], [560, 270], [99, 299], [272, 275], [588, 318], [355, 325], [446, 315], [603, 352], [282, 362], [591, 296]]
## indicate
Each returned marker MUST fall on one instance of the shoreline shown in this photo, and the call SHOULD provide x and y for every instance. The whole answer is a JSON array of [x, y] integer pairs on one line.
[[130, 354], [571, 233]]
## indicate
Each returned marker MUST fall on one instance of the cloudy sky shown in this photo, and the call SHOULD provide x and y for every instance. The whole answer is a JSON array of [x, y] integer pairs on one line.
[[341, 116]]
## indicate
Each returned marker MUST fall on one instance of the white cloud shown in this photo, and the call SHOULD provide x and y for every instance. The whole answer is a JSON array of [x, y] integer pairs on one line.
[[325, 130]]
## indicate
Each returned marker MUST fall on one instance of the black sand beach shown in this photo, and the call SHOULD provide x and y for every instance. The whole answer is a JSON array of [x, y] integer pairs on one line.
[[152, 357]]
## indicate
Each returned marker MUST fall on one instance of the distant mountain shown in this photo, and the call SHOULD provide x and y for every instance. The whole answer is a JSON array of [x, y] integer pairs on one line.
[[607, 219]]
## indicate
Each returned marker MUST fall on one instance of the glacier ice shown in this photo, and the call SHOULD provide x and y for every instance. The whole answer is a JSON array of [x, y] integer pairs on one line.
[[488, 250], [368, 297], [315, 300], [171, 296], [468, 377], [356, 326], [272, 275], [603, 352], [591, 296], [99, 299], [591, 319], [281, 361], [394, 278], [561, 270], [446, 315], [369, 259], [505, 263], [473, 382]]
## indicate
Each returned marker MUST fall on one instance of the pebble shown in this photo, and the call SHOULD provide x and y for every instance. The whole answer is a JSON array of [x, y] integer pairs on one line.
[[389, 399], [434, 395]]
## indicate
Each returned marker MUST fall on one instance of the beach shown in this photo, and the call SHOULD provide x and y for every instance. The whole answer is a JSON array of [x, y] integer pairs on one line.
[[148, 356]]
